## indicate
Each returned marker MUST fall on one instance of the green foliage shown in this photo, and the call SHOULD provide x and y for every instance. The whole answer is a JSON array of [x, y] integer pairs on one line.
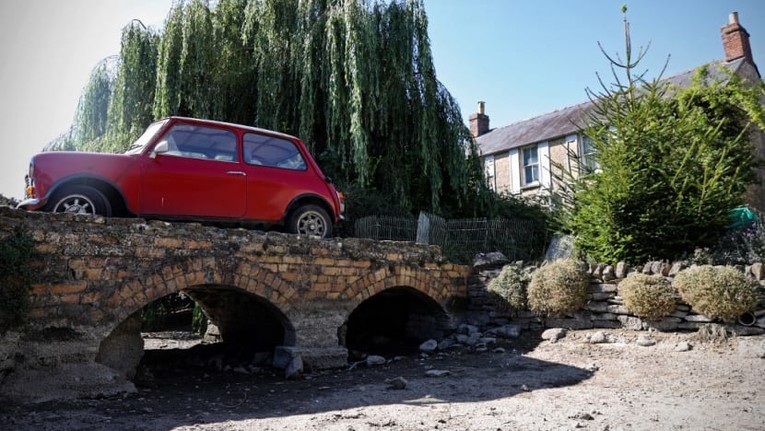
[[353, 78], [198, 320], [91, 117], [511, 285], [130, 109], [558, 288], [673, 162], [650, 296], [717, 291], [15, 277]]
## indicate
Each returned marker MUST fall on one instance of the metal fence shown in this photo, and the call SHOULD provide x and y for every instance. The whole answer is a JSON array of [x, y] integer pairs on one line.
[[459, 239], [388, 228]]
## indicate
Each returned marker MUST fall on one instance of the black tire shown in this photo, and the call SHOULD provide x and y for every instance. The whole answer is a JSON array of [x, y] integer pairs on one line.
[[311, 220], [80, 199]]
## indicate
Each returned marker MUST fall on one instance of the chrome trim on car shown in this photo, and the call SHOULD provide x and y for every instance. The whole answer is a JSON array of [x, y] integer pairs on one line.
[[33, 204]]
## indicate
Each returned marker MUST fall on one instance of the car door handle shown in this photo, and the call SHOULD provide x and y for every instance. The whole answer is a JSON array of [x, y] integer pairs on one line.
[[236, 173]]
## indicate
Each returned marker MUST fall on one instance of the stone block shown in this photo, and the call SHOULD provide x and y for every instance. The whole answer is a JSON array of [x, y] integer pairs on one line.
[[283, 355], [757, 271], [618, 309], [606, 324], [506, 331], [665, 325], [746, 330], [630, 322], [570, 323], [602, 288], [690, 325], [647, 268], [621, 270], [609, 273], [597, 306], [675, 269], [602, 316], [697, 318], [657, 267]]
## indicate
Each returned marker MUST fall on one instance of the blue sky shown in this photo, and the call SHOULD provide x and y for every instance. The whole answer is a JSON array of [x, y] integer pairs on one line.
[[523, 58]]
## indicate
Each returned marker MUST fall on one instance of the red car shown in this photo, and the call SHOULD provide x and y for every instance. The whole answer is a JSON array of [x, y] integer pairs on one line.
[[190, 169]]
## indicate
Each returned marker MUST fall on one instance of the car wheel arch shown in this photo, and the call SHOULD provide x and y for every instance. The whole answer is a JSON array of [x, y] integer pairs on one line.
[[112, 193], [308, 199]]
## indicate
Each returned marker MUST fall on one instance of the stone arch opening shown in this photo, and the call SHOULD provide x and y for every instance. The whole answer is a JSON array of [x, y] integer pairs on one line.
[[246, 329], [393, 322], [243, 318]]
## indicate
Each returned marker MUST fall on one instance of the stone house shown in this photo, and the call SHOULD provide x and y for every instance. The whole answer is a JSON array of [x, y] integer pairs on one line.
[[521, 158]]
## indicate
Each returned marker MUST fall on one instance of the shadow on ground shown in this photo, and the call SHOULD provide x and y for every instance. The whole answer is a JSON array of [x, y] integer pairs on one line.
[[190, 396]]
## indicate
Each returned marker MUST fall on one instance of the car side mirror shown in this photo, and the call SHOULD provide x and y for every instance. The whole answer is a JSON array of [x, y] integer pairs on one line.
[[161, 148]]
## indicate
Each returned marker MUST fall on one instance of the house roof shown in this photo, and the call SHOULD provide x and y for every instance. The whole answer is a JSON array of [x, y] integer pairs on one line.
[[571, 119]]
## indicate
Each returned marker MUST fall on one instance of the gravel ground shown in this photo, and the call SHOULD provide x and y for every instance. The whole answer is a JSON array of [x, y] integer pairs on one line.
[[679, 383]]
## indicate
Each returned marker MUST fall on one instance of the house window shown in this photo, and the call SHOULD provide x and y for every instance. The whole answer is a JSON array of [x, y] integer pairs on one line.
[[530, 165], [589, 162], [488, 165]]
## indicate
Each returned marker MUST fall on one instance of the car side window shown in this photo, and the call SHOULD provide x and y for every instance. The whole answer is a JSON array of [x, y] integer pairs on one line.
[[198, 142], [272, 151]]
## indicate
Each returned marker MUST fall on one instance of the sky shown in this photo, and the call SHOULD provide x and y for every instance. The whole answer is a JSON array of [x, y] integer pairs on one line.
[[523, 58]]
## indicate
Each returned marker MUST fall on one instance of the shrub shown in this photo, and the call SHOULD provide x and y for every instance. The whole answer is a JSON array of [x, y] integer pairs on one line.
[[511, 285], [558, 288], [650, 296], [717, 291]]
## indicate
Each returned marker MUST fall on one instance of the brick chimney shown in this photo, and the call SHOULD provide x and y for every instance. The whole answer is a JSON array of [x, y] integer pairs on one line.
[[479, 122], [736, 40]]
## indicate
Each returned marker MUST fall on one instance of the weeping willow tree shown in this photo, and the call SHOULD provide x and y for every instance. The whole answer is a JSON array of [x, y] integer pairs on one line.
[[130, 109], [353, 78]]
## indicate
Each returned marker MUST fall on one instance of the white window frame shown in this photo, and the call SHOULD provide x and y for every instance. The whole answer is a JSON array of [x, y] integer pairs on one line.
[[536, 166], [588, 163], [490, 172]]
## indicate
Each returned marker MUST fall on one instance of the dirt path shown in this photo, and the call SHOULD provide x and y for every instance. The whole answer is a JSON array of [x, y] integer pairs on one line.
[[531, 385]]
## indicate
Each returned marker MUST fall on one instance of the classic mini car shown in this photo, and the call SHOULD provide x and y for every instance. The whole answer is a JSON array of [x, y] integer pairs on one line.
[[191, 169]]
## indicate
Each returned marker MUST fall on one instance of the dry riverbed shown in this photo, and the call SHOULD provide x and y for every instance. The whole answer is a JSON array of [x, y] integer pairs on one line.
[[681, 382]]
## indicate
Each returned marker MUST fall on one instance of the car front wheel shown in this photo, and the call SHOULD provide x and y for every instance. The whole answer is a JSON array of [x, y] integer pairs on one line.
[[311, 220], [83, 200]]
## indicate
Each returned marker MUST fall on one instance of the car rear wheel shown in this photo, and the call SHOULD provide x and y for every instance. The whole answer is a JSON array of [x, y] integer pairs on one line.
[[80, 199], [311, 220]]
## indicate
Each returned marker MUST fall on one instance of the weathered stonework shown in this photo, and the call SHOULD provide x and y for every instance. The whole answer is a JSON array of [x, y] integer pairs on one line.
[[91, 274]]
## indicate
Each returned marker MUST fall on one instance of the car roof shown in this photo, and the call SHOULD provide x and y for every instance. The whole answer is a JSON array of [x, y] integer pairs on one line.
[[235, 125]]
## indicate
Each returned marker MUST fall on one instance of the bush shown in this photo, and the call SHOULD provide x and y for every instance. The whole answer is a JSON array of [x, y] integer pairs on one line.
[[558, 288], [717, 291], [511, 285], [650, 296]]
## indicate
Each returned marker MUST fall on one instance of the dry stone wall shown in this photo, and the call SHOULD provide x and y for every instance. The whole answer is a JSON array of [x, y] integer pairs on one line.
[[605, 308]]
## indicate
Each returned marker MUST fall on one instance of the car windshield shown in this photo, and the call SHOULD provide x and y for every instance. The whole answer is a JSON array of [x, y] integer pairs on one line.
[[141, 142]]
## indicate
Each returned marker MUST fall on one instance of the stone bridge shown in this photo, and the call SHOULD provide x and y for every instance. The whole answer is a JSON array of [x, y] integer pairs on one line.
[[264, 291]]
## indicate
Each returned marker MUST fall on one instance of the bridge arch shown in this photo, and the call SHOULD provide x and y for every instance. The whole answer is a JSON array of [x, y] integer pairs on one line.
[[397, 276], [246, 302], [393, 311], [170, 278]]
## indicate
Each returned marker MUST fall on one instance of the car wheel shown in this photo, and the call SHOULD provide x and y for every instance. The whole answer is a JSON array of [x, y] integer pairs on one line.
[[311, 220], [84, 200]]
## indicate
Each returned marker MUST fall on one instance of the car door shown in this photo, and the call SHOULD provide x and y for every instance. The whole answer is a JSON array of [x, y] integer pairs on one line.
[[196, 174]]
